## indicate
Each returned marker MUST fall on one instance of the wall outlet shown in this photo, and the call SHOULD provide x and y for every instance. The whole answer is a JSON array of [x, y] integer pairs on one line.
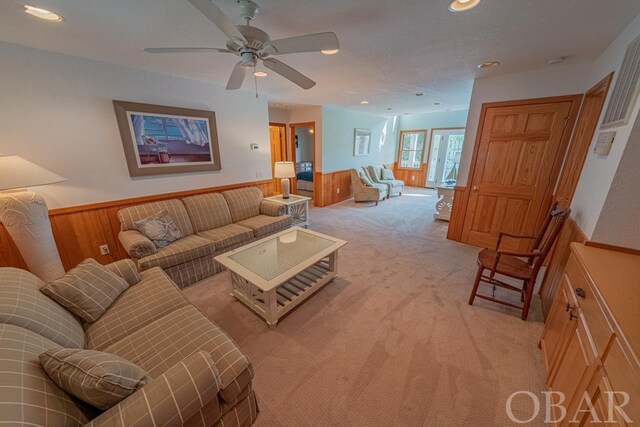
[[258, 174], [104, 249], [338, 190], [413, 178]]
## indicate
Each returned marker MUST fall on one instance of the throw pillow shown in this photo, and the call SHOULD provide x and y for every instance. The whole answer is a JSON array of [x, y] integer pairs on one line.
[[159, 228], [365, 179], [387, 174], [97, 378], [86, 290]]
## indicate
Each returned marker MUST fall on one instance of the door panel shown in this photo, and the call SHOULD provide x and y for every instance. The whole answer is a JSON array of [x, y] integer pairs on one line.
[[515, 165], [278, 152]]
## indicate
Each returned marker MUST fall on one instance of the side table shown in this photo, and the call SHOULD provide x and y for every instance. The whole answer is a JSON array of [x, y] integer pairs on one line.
[[297, 207], [444, 203]]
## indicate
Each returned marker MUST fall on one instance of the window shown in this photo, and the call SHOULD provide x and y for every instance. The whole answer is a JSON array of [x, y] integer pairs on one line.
[[412, 144]]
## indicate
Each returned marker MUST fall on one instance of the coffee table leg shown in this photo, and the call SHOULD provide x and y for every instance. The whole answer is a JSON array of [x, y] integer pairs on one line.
[[271, 312]]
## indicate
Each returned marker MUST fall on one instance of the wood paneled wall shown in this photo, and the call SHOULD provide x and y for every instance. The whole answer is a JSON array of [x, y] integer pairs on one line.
[[456, 222], [80, 230], [558, 260], [411, 177], [327, 184]]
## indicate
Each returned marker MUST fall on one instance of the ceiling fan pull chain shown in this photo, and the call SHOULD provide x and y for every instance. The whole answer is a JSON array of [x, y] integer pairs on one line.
[[255, 80]]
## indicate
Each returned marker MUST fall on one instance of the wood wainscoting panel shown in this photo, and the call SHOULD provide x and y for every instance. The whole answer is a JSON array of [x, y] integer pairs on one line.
[[558, 260], [79, 231], [411, 177], [456, 222], [333, 181]]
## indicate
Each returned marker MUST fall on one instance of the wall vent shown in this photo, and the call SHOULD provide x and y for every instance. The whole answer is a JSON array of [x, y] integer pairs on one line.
[[625, 92]]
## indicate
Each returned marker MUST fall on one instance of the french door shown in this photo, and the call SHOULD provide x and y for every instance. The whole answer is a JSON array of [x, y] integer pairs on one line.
[[444, 156]]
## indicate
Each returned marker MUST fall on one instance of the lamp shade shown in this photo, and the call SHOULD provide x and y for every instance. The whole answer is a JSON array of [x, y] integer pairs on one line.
[[284, 170], [16, 172]]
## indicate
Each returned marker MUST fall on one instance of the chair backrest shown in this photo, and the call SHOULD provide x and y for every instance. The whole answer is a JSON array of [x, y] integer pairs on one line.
[[549, 233]]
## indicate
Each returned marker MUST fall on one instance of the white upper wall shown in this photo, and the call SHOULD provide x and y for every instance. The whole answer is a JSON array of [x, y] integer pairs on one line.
[[57, 112], [443, 119], [557, 80], [598, 172]]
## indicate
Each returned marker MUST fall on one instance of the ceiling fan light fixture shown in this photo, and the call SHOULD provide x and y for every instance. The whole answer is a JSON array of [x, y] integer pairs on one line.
[[463, 5], [330, 51], [489, 64], [45, 14], [260, 74]]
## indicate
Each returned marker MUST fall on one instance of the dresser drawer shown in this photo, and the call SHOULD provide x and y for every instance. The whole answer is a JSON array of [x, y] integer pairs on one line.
[[623, 372], [600, 330]]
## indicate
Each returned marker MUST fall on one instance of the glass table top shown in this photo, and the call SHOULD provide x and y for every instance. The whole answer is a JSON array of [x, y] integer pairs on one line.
[[275, 256]]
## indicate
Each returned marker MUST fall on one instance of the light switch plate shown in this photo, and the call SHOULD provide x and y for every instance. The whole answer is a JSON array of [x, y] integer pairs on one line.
[[604, 143]]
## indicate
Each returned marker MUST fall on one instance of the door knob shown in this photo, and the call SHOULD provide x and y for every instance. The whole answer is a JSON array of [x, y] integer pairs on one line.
[[476, 188]]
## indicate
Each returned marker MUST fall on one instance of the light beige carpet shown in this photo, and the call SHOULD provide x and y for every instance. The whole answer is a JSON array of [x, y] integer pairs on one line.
[[392, 341]]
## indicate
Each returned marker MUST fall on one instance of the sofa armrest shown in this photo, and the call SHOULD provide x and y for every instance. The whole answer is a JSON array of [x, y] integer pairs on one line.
[[126, 269], [136, 245], [169, 400], [268, 207]]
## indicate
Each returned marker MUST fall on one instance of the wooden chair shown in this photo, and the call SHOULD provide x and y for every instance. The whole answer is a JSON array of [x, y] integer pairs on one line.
[[518, 265]]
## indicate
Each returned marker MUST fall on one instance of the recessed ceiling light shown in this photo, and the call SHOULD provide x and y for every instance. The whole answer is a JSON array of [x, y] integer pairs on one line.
[[330, 51], [405, 114], [462, 5], [260, 74], [436, 103], [42, 13], [389, 108], [365, 102], [489, 64], [557, 60], [419, 94]]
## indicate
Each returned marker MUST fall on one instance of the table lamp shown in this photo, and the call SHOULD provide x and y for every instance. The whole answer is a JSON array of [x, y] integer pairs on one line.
[[25, 215], [285, 170]]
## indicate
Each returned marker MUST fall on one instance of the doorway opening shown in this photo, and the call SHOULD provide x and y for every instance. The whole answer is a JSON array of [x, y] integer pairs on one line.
[[278, 142], [302, 150], [445, 149]]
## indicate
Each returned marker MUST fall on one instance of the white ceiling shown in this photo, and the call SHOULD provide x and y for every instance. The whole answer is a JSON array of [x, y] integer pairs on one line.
[[391, 49]]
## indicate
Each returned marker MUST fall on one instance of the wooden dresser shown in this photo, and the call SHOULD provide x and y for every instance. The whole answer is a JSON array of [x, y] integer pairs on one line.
[[591, 341]]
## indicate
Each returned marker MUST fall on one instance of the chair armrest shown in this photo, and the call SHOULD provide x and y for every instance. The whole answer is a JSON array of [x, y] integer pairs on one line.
[[126, 269], [169, 400], [502, 234], [268, 207], [136, 245], [520, 254]]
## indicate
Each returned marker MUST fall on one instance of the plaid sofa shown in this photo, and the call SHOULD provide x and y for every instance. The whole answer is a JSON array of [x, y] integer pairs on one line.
[[210, 224], [199, 377]]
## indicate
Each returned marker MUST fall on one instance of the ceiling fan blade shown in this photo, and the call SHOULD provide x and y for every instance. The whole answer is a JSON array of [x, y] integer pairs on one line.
[[215, 15], [289, 73], [237, 77], [185, 50], [308, 43]]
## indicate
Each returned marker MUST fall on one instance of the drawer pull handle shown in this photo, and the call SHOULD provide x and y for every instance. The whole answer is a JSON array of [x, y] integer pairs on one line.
[[572, 316], [580, 292], [568, 307]]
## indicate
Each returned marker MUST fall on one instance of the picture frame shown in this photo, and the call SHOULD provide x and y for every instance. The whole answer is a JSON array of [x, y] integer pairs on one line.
[[362, 142], [161, 140]]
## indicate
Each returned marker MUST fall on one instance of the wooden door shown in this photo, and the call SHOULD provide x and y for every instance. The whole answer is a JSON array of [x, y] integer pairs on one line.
[[278, 151], [518, 157], [585, 128]]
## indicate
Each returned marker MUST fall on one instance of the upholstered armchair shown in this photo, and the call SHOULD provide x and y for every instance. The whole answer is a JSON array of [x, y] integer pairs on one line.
[[366, 191], [375, 173]]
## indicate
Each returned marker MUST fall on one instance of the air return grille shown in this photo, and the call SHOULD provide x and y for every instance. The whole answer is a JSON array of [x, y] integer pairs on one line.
[[626, 90]]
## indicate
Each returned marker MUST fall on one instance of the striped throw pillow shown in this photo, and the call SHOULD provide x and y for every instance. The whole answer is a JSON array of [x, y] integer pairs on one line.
[[97, 378], [87, 290]]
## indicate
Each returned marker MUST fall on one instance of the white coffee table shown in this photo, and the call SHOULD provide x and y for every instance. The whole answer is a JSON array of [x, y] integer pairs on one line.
[[276, 274]]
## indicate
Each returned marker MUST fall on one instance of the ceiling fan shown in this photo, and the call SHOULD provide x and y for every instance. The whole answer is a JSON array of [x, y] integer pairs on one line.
[[252, 44]]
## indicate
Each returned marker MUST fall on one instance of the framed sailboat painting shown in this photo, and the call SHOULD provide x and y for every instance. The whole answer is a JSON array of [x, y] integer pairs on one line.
[[167, 140]]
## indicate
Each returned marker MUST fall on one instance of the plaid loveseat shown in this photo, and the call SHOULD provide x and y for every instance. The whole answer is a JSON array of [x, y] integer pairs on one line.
[[199, 377], [210, 224]]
